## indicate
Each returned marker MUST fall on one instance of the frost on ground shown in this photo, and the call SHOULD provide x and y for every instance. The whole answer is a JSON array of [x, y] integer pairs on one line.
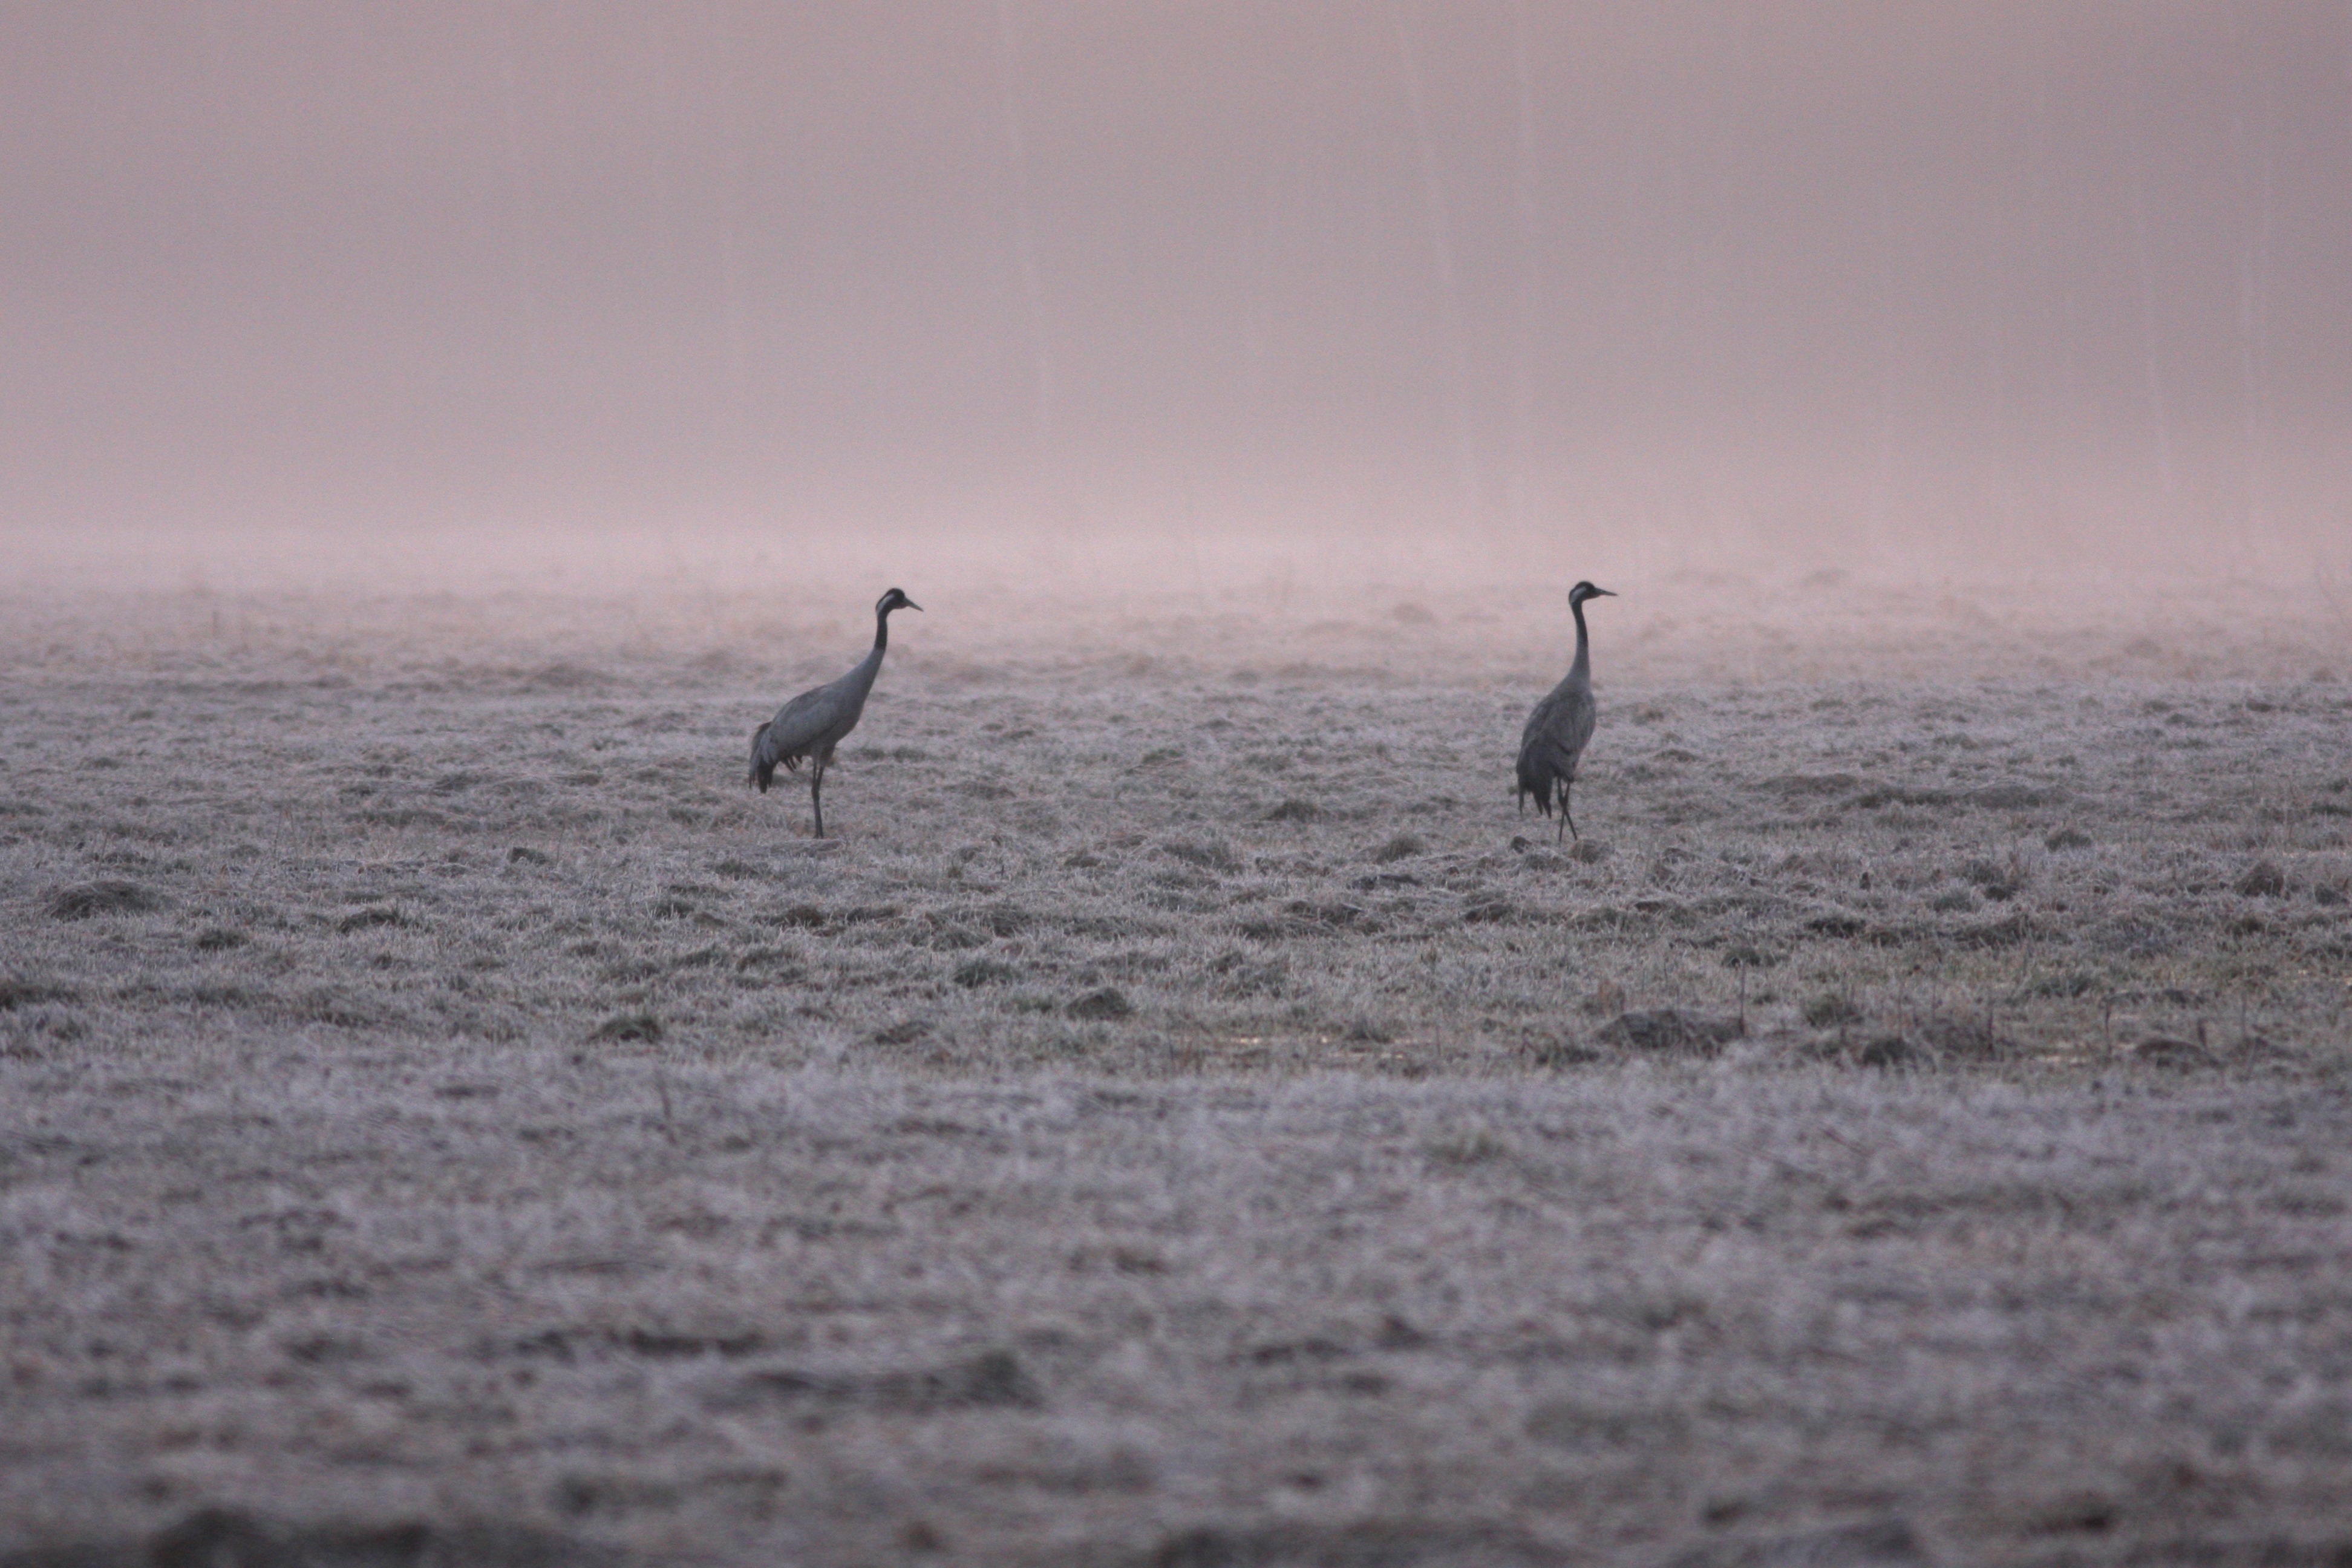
[[1228, 837], [405, 1300], [1184, 1115]]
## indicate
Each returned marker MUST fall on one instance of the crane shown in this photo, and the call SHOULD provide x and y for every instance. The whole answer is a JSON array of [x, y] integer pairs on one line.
[[813, 724], [1553, 742]]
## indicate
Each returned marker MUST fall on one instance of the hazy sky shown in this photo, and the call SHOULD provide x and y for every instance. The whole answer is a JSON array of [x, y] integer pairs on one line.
[[1832, 270]]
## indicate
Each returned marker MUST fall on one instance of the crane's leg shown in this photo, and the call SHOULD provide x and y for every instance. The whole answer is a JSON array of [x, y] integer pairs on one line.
[[1567, 822], [816, 794]]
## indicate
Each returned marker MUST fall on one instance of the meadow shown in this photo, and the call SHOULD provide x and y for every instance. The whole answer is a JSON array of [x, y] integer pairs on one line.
[[1183, 1114]]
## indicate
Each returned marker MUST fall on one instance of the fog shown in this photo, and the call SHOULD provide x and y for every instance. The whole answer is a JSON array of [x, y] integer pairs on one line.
[[1462, 289], [1185, 1108]]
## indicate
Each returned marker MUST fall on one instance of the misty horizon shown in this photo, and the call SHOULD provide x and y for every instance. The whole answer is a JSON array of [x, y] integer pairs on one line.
[[1817, 282]]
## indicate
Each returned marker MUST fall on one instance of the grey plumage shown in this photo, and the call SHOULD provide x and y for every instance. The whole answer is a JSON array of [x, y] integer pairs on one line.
[[812, 724], [1553, 743]]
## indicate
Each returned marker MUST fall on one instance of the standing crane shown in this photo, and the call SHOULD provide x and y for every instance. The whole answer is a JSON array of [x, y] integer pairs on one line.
[[1553, 742], [813, 724]]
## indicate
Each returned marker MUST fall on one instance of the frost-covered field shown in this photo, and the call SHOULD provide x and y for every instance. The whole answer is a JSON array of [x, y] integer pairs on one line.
[[1183, 1115]]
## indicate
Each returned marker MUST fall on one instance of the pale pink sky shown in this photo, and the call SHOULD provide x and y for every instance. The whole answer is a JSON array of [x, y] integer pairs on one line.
[[1474, 262]]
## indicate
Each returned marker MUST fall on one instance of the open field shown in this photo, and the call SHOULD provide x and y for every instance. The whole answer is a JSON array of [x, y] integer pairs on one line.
[[746, 1314], [1183, 1115]]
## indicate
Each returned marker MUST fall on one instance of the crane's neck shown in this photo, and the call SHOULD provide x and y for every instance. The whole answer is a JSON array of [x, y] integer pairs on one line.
[[1582, 669], [861, 679]]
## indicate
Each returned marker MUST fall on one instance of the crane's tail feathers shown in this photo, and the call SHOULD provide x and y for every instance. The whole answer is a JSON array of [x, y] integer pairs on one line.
[[1534, 785], [763, 766]]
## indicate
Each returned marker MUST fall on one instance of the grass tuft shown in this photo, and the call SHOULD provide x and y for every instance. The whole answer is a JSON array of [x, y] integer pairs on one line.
[[1108, 1003], [105, 897]]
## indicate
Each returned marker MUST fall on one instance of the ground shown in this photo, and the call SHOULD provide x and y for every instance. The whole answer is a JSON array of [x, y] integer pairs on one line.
[[1184, 1114]]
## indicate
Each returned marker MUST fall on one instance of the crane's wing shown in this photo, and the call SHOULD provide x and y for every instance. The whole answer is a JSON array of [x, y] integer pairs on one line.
[[795, 730], [1556, 733], [801, 723]]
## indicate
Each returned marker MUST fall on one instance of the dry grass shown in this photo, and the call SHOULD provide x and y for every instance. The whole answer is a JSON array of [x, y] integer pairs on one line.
[[763, 1315], [1184, 1116], [1110, 856]]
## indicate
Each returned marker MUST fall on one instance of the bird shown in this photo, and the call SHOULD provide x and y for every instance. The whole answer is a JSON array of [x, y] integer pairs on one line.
[[812, 724], [1553, 742]]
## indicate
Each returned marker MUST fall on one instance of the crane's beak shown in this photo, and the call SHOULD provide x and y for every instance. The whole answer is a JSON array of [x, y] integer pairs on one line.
[[912, 606], [1604, 593]]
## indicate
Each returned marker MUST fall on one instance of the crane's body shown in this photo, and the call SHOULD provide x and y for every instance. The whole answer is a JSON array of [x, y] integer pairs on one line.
[[812, 724], [1553, 742]]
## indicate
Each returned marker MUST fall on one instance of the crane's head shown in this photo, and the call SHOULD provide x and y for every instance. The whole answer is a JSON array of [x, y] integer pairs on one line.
[[1583, 591], [895, 599]]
